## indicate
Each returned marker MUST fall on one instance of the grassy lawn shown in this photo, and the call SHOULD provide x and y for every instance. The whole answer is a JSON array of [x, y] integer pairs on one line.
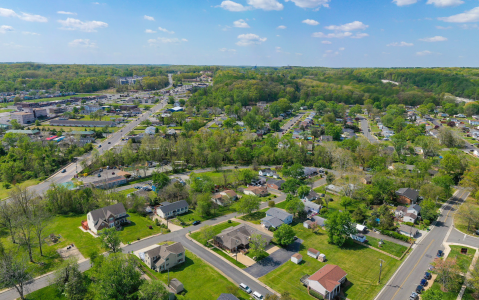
[[127, 191], [360, 263], [199, 279], [6, 110], [218, 177], [49, 292], [255, 217], [452, 295], [188, 218], [139, 228], [4, 192], [103, 118], [463, 260], [217, 229], [461, 224], [387, 246], [229, 258]]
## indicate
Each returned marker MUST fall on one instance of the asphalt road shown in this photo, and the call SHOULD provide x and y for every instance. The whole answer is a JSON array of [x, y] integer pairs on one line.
[[288, 125], [410, 273], [106, 145], [365, 128]]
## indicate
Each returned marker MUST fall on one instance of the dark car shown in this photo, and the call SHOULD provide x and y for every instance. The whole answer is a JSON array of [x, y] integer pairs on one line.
[[64, 170], [196, 222], [439, 253], [99, 175], [427, 275], [423, 282], [419, 289], [109, 142]]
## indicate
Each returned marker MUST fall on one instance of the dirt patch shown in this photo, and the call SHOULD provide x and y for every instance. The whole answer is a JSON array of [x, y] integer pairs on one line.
[[66, 253]]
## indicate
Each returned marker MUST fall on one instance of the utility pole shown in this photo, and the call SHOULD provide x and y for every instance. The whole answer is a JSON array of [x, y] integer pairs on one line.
[[380, 269]]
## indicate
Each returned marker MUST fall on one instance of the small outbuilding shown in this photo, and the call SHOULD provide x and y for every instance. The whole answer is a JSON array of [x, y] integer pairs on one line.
[[296, 258], [313, 252], [322, 257], [359, 237], [176, 285], [308, 224]]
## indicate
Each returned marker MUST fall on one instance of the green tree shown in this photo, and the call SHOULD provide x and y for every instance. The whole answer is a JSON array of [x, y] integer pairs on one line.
[[70, 281], [284, 235], [359, 215], [295, 171], [428, 210], [153, 290], [345, 202], [247, 204], [444, 181], [15, 124], [246, 175], [215, 159], [204, 205], [294, 206], [14, 273], [291, 185], [303, 191], [334, 131], [275, 125], [257, 244], [160, 180], [339, 227], [330, 178], [110, 239], [116, 278], [432, 294], [207, 233]]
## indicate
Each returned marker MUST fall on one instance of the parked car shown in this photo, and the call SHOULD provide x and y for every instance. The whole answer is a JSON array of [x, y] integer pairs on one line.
[[99, 175], [245, 288], [99, 146], [423, 282], [427, 275], [257, 296], [109, 143], [440, 253], [196, 222], [419, 289], [414, 296], [64, 170]]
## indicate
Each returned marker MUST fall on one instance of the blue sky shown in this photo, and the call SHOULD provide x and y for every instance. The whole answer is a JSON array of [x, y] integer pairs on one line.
[[330, 33]]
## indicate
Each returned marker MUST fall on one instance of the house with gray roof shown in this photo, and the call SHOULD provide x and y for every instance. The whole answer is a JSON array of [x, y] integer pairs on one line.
[[271, 222], [227, 297], [238, 237], [280, 214], [407, 195], [164, 257], [169, 210], [111, 216]]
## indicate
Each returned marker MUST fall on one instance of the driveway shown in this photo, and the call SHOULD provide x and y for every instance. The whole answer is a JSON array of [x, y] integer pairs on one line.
[[273, 261]]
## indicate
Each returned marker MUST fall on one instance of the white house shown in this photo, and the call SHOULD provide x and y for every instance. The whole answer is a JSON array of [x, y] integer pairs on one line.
[[410, 217], [107, 217], [150, 130], [285, 217], [327, 281], [169, 210]]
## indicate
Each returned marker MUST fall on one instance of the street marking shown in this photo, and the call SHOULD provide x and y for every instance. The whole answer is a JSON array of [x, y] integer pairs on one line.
[[400, 287]]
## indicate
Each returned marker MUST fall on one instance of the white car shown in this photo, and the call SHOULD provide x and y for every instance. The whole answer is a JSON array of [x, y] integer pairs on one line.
[[257, 296], [245, 288]]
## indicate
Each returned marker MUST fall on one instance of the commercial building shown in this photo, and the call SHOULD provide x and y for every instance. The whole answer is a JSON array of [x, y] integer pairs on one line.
[[23, 118]]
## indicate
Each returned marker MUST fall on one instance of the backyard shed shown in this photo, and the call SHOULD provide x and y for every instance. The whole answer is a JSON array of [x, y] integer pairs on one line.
[[296, 258], [313, 252]]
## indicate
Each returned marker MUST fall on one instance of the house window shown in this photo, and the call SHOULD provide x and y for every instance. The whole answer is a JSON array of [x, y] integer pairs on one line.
[[167, 259], [167, 265], [180, 254]]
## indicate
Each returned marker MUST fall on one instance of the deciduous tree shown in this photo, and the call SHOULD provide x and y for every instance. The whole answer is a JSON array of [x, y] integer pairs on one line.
[[110, 239], [284, 235], [339, 227]]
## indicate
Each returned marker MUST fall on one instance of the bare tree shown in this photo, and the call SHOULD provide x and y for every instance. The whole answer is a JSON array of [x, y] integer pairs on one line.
[[14, 273], [40, 220], [26, 234], [7, 218]]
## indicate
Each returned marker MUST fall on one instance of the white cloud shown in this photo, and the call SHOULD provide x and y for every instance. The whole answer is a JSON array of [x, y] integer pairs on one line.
[[326, 42], [310, 3], [228, 50], [310, 22], [342, 49], [5, 28], [240, 24], [87, 26], [83, 43], [332, 35], [401, 44], [467, 16], [423, 53], [5, 12], [437, 38], [61, 12], [12, 45], [404, 2], [96, 3], [330, 53], [278, 49], [469, 26], [30, 33], [233, 6], [281, 27], [167, 40], [445, 3], [359, 35], [149, 18], [150, 31], [165, 30], [249, 39], [444, 28], [266, 4], [356, 25]]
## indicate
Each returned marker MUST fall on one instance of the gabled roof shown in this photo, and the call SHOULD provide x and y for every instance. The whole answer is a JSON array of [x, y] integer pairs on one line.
[[408, 193], [414, 207], [166, 207], [278, 213], [227, 297], [240, 234], [277, 182], [164, 250], [102, 214], [401, 209], [411, 215], [328, 276], [273, 221]]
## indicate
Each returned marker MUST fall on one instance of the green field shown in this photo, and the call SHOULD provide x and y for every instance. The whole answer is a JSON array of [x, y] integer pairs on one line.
[[192, 215], [452, 295], [387, 246], [462, 260], [199, 279], [255, 217], [4, 192], [360, 263], [49, 292], [6, 110]]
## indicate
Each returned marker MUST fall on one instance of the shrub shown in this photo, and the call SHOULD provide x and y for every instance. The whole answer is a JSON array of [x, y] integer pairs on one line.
[[315, 294], [395, 235], [324, 211], [271, 203], [427, 222], [229, 221], [409, 224]]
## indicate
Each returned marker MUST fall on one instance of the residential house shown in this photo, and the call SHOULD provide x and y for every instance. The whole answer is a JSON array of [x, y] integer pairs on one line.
[[260, 191], [311, 196], [414, 208], [164, 257], [320, 221], [400, 212], [308, 224], [407, 230], [107, 217], [276, 217], [326, 138], [225, 197], [410, 217], [267, 172], [275, 183], [168, 210], [311, 207], [308, 172], [150, 130], [327, 281], [237, 238], [407, 195]]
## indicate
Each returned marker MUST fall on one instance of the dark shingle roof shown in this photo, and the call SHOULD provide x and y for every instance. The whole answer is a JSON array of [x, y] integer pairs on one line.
[[278, 213], [167, 206], [408, 193], [98, 215], [227, 297], [273, 221], [277, 182]]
